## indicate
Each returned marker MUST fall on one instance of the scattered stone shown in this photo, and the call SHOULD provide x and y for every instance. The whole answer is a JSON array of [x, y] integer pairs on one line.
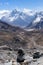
[[36, 55], [20, 57]]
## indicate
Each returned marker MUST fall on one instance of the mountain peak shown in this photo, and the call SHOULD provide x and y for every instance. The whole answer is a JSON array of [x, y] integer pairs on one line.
[[26, 17]]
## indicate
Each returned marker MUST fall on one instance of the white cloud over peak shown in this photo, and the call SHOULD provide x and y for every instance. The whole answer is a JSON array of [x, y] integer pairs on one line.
[[28, 11], [4, 13]]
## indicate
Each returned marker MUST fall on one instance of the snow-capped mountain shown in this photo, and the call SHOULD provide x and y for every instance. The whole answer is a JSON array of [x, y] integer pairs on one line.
[[25, 18], [37, 23], [18, 18]]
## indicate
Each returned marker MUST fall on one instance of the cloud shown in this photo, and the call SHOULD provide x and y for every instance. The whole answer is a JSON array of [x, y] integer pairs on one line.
[[1, 4], [26, 10], [3, 11], [6, 3]]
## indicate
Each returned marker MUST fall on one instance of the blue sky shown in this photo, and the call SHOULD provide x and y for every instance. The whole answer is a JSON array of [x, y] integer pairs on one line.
[[29, 4]]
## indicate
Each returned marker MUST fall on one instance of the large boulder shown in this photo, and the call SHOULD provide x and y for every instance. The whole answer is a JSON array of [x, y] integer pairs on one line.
[[36, 55], [20, 56]]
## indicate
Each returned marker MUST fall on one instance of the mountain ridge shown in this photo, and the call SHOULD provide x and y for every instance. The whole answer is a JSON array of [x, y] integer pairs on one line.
[[22, 19]]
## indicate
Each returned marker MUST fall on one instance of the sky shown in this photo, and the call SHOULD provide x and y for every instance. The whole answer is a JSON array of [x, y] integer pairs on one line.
[[21, 4]]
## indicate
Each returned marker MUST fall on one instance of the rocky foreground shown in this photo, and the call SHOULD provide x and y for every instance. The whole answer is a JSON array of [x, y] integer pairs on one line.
[[26, 62], [9, 58], [12, 38]]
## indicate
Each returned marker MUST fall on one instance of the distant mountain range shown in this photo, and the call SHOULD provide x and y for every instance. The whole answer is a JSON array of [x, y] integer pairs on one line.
[[16, 37], [36, 25], [25, 19]]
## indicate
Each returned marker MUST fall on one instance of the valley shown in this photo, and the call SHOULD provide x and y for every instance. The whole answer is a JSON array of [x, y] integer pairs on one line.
[[12, 38]]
